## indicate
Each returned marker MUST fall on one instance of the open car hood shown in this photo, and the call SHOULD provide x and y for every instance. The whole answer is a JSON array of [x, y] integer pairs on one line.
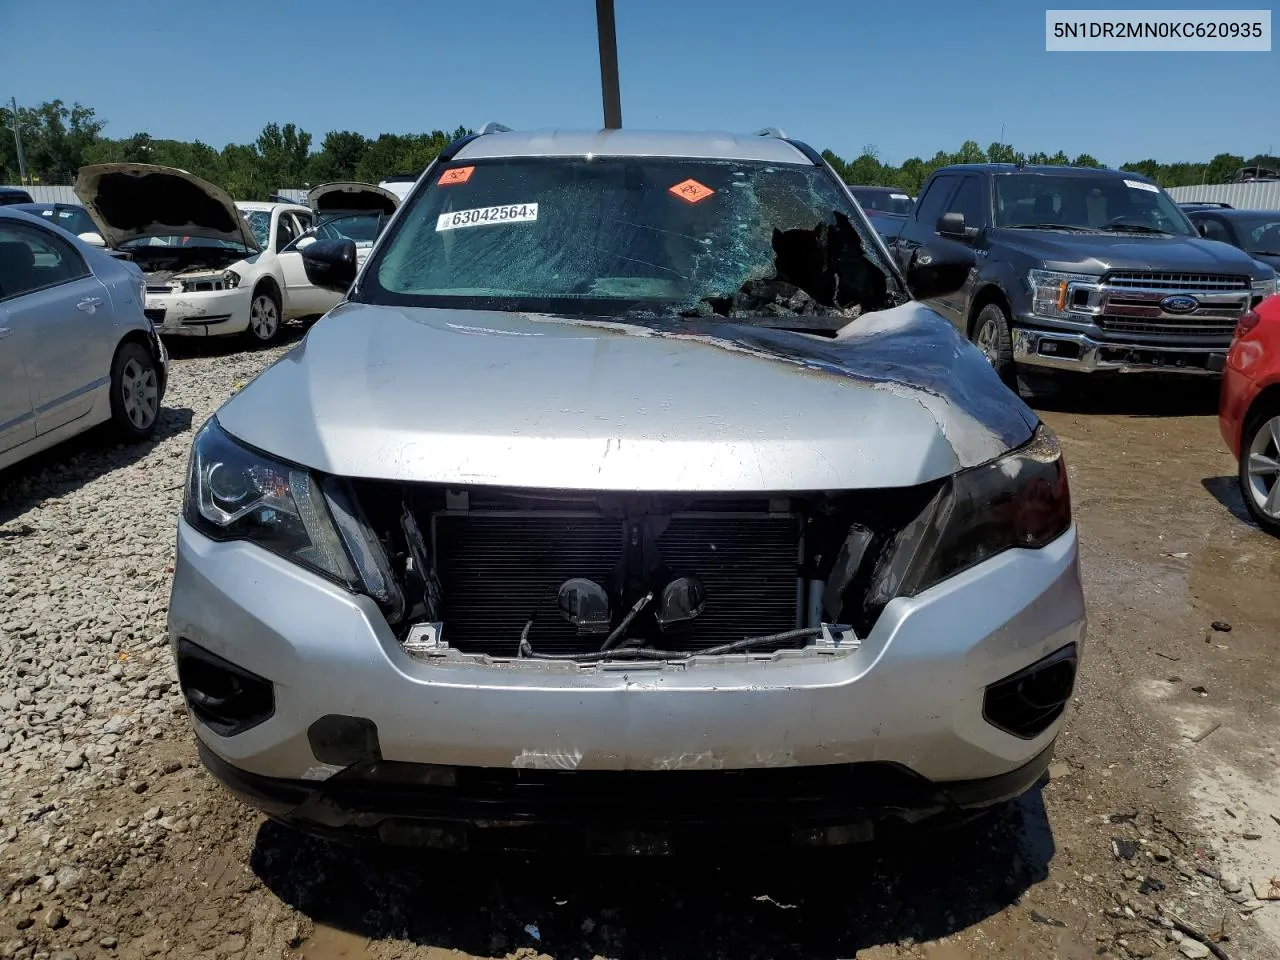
[[133, 201], [351, 198]]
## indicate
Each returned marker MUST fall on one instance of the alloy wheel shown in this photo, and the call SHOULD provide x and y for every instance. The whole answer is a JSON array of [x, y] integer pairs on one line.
[[264, 319], [1264, 468], [140, 389], [988, 341]]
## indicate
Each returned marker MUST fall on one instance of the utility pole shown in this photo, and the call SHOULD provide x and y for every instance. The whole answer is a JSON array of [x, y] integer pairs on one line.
[[17, 141], [609, 65]]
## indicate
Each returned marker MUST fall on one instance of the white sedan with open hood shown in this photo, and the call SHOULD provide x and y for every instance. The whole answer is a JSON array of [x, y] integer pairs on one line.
[[213, 266]]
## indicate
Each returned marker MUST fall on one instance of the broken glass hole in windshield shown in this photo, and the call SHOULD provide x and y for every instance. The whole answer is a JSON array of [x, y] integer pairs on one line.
[[619, 230]]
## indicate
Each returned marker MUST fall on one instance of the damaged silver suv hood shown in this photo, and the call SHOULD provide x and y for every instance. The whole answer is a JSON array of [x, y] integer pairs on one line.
[[468, 397]]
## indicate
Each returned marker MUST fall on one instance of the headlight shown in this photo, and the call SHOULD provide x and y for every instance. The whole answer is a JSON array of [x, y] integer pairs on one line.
[[1049, 291], [231, 279], [1263, 289], [234, 493], [1021, 500]]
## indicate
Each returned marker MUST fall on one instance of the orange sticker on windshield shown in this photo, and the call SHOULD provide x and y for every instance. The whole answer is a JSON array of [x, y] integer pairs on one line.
[[692, 190], [456, 175]]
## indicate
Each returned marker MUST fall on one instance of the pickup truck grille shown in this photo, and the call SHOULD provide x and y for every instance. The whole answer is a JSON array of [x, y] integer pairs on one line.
[[499, 569], [1132, 307], [1171, 283]]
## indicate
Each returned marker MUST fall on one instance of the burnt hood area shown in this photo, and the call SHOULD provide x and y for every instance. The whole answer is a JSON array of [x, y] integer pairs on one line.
[[130, 202]]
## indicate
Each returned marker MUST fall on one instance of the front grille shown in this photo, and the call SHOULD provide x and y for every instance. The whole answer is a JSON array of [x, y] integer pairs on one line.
[[498, 570], [1132, 305], [1178, 282]]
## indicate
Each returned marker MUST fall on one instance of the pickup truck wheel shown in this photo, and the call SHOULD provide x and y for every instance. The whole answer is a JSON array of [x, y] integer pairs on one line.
[[1259, 471], [991, 336], [264, 316]]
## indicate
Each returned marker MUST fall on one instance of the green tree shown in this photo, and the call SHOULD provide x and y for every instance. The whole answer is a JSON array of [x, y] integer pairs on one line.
[[283, 152], [54, 140], [1084, 160], [970, 152], [1001, 153], [340, 153]]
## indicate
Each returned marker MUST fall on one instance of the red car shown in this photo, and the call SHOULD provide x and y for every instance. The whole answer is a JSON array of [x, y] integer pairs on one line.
[[1249, 410]]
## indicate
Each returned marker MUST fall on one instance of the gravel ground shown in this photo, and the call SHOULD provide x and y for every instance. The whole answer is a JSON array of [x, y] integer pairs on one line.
[[114, 843]]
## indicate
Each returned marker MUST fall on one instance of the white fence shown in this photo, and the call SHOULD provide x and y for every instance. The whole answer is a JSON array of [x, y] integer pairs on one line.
[[1242, 196], [47, 194]]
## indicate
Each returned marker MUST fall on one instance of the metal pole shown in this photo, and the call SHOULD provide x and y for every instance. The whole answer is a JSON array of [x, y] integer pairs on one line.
[[17, 140], [609, 65]]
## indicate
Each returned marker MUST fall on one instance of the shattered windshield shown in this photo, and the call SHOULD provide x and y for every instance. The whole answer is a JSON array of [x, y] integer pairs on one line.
[[1119, 204], [630, 235], [259, 224]]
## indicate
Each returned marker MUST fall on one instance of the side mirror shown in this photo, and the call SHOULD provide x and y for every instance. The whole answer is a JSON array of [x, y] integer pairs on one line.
[[1202, 229], [94, 238], [330, 264], [939, 270], [951, 225]]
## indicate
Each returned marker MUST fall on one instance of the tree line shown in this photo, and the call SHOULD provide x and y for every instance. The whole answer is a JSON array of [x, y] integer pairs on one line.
[[869, 170], [58, 139]]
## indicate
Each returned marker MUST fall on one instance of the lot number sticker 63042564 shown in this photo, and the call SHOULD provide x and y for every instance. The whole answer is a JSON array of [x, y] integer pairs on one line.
[[481, 216]]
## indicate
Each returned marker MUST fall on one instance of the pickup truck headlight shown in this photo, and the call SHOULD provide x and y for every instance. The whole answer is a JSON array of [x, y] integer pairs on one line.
[[236, 493], [1049, 291], [1021, 500], [1263, 289]]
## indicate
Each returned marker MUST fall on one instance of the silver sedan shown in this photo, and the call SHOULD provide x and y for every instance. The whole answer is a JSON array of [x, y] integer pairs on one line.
[[76, 349]]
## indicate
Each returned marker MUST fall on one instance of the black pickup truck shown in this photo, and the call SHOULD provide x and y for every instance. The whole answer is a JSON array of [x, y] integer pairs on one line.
[[1082, 269]]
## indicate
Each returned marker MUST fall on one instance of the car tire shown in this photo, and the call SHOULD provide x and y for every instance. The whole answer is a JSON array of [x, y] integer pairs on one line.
[[991, 335], [135, 393], [265, 317], [1261, 437]]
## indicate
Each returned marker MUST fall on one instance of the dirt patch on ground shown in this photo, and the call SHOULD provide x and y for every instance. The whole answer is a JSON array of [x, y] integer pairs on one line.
[[1158, 814]]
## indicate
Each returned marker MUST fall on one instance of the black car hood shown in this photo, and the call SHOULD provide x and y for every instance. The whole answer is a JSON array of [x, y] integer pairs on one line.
[[1099, 253]]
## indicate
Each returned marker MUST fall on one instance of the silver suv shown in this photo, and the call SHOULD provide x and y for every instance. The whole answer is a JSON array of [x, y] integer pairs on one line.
[[629, 491]]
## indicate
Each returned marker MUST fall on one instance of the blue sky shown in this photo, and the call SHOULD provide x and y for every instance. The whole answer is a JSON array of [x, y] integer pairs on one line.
[[910, 79]]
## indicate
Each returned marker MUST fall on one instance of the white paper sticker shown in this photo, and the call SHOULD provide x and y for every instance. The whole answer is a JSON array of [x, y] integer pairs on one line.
[[1139, 185], [899, 196], [483, 216]]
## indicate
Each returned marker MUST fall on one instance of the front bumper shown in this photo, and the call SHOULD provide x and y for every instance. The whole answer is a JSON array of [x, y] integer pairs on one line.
[[619, 812], [911, 696], [1063, 350], [201, 314]]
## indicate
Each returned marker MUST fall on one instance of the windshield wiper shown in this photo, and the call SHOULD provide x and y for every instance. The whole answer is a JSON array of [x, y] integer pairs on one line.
[[1264, 253], [1051, 226], [1133, 228]]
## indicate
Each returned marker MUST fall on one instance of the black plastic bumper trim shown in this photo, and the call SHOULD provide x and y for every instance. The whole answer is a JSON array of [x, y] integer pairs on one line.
[[425, 805]]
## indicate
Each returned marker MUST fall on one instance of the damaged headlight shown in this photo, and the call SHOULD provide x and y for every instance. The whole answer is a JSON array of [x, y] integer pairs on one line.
[[1050, 291], [1020, 500], [231, 279], [235, 493]]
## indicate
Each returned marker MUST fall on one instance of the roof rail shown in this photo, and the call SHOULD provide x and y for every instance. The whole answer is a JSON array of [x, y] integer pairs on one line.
[[492, 127], [770, 132]]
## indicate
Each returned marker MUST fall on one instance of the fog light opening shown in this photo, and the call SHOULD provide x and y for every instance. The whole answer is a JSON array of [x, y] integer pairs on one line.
[[224, 697], [1029, 702]]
